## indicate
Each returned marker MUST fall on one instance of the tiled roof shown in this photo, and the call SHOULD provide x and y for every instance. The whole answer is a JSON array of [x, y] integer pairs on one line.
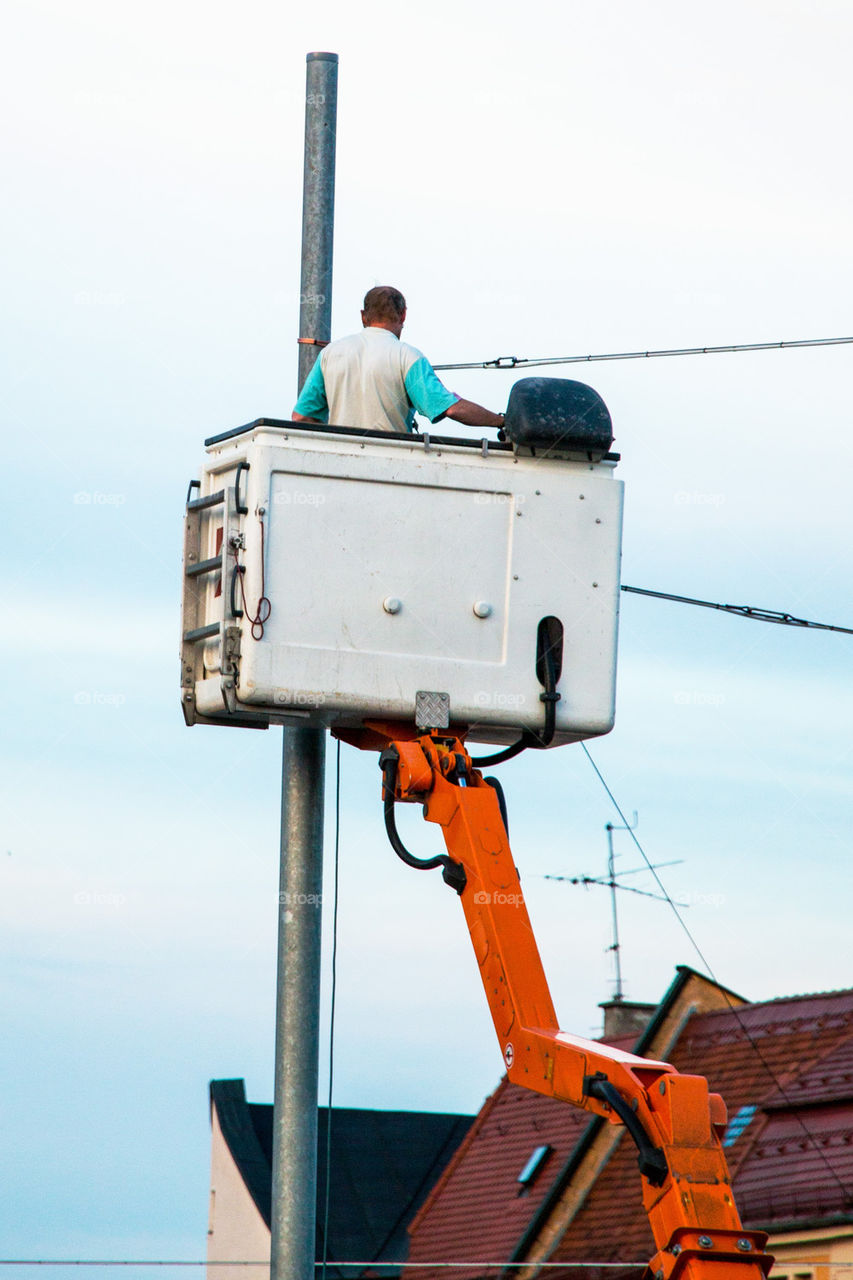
[[477, 1211], [800, 1166], [830, 1079], [792, 1163]]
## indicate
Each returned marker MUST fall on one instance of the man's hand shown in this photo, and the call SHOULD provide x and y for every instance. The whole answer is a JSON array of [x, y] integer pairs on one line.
[[471, 414], [299, 417]]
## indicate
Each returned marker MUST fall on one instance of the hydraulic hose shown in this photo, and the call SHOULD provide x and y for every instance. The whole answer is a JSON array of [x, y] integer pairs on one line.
[[453, 873], [530, 738]]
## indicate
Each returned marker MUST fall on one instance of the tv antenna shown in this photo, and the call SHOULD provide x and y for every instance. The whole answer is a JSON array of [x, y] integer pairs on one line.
[[611, 882]]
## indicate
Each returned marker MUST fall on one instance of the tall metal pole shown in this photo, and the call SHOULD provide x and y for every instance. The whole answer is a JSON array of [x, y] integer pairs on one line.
[[297, 1038], [318, 207]]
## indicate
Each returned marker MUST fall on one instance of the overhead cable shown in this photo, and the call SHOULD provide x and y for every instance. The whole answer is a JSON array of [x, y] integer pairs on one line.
[[384, 1266], [523, 362], [733, 1009], [744, 611]]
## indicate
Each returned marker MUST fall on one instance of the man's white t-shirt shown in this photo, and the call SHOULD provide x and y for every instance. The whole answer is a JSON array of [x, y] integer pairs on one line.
[[375, 381]]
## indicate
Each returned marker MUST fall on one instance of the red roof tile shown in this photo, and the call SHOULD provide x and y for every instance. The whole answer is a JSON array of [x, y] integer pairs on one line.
[[830, 1079], [478, 1211], [800, 1166]]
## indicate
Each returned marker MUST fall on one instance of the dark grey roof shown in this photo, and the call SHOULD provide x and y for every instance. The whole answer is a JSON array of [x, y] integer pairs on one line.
[[383, 1165]]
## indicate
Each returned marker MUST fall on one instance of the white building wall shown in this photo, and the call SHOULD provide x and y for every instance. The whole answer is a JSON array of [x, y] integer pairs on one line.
[[236, 1232]]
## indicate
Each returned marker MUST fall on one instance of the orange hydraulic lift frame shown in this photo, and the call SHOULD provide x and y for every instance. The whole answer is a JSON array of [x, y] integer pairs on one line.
[[674, 1120]]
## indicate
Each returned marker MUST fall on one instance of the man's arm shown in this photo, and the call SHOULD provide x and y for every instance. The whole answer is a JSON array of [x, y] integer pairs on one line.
[[471, 414], [432, 398], [302, 417]]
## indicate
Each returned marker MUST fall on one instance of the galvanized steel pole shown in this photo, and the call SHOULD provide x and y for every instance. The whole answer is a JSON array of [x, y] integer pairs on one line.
[[297, 1038], [318, 207]]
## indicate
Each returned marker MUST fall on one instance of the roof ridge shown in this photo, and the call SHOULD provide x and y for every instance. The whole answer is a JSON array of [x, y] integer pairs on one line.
[[804, 995], [387, 1111], [752, 1008]]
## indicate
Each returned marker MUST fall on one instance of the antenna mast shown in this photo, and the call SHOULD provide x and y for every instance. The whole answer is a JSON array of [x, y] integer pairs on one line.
[[619, 994], [612, 883]]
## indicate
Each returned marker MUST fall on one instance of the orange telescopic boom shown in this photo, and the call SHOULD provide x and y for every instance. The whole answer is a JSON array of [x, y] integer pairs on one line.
[[673, 1119]]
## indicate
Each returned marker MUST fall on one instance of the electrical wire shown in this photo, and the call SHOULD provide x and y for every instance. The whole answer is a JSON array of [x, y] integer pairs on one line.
[[732, 1007], [523, 362], [744, 611], [389, 1266], [392, 1266], [328, 1191], [261, 616]]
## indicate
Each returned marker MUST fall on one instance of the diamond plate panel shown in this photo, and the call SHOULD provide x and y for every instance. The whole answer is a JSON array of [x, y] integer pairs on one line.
[[432, 710]]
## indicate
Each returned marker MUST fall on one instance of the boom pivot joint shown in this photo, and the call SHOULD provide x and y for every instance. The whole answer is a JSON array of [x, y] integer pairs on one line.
[[650, 1159]]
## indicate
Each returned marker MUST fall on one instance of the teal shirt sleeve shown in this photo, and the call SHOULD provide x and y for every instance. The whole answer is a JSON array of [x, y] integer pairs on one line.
[[427, 392], [312, 402]]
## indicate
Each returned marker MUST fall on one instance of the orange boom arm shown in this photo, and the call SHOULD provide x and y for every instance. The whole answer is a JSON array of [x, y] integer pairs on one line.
[[673, 1119]]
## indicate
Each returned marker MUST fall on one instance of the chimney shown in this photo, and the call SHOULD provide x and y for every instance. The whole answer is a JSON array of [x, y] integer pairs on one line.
[[625, 1017]]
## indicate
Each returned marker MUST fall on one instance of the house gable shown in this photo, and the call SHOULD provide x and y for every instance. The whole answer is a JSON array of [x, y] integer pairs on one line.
[[382, 1166]]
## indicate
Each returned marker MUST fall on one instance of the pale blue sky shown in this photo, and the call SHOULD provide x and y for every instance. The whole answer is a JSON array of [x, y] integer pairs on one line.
[[582, 178]]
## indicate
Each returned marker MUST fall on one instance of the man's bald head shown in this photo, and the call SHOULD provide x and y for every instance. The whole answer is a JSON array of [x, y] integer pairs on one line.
[[384, 307]]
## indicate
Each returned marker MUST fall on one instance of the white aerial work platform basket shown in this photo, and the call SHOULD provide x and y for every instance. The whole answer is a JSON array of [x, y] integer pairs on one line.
[[331, 575]]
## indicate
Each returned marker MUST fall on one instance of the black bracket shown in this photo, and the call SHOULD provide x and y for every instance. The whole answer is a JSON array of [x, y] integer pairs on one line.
[[242, 509], [651, 1160], [238, 569]]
